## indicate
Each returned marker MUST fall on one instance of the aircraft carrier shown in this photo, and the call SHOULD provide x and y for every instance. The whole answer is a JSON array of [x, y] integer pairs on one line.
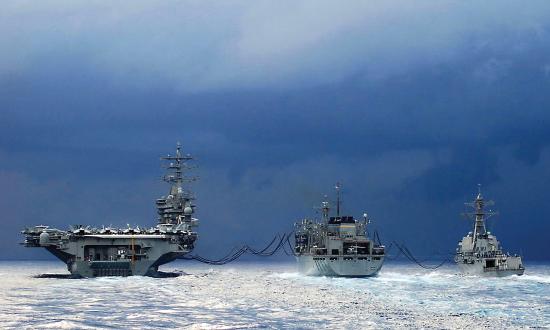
[[106, 251], [479, 252], [337, 245]]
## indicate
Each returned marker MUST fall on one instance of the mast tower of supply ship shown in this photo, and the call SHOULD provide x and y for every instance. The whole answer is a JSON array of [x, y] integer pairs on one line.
[[337, 245], [107, 251]]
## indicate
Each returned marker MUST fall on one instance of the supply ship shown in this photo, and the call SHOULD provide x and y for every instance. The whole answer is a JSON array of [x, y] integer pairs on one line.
[[93, 252], [479, 252], [337, 245]]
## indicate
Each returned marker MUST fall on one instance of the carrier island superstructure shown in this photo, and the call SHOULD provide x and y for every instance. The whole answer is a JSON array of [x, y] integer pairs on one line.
[[106, 251], [479, 252], [337, 245]]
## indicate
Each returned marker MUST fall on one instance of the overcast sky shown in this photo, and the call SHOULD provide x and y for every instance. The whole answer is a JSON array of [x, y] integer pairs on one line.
[[408, 104]]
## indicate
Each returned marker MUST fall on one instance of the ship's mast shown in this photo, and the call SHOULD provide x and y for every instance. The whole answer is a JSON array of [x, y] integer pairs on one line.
[[325, 207], [479, 214], [175, 167], [337, 187], [178, 205]]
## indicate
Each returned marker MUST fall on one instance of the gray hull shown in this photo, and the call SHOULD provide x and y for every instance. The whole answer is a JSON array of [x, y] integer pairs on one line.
[[81, 269], [109, 268], [478, 269], [349, 266], [93, 255]]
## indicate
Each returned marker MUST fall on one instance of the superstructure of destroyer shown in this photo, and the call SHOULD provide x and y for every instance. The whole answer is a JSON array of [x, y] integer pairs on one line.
[[91, 252], [479, 252], [337, 245]]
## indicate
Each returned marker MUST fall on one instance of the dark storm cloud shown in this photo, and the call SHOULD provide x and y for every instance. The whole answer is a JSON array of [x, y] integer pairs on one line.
[[197, 47], [410, 105]]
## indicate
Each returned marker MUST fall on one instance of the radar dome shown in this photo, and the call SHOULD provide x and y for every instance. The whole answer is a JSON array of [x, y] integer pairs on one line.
[[44, 238], [188, 210]]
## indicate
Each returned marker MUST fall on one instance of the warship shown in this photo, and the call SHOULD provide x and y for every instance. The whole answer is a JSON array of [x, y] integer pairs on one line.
[[479, 252], [337, 245], [94, 252]]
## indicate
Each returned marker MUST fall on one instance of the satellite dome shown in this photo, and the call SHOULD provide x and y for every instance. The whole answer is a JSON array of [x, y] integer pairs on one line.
[[44, 238], [188, 210]]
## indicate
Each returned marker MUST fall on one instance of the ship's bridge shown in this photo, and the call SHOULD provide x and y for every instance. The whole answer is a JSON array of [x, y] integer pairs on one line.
[[340, 220], [343, 226]]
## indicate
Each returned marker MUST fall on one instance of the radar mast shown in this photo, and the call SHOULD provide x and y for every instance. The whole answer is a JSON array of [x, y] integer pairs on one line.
[[479, 215], [177, 206], [338, 201]]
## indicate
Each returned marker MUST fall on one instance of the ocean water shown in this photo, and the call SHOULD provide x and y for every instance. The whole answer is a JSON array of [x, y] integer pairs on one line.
[[272, 295]]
